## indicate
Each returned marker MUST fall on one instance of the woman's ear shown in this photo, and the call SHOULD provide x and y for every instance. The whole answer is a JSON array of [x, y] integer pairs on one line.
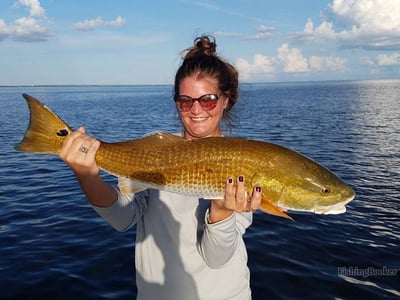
[[226, 100]]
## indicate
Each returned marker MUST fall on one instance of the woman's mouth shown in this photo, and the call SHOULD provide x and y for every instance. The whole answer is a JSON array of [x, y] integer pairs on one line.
[[198, 119]]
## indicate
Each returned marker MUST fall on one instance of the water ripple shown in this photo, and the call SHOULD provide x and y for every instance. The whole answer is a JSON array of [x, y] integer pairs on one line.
[[55, 246]]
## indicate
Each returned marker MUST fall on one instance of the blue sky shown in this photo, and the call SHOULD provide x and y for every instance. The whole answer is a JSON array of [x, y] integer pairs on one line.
[[139, 42]]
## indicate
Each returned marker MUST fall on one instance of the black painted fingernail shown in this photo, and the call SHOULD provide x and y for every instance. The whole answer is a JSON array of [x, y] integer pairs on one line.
[[230, 180], [241, 178], [258, 189]]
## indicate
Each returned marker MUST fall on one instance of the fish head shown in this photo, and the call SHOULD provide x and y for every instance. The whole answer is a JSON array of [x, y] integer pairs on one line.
[[300, 184], [327, 194]]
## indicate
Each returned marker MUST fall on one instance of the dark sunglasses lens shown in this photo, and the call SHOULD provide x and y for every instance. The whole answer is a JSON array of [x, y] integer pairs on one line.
[[208, 102], [184, 103]]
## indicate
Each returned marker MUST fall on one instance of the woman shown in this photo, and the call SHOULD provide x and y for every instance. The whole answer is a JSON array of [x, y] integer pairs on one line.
[[186, 248]]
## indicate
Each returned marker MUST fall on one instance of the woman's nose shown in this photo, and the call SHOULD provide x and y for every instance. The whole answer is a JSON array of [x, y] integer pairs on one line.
[[196, 107]]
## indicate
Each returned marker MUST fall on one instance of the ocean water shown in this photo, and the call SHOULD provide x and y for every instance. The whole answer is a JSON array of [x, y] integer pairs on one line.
[[52, 244]]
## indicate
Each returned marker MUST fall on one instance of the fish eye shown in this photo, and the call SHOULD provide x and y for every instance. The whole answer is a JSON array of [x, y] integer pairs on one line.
[[325, 190]]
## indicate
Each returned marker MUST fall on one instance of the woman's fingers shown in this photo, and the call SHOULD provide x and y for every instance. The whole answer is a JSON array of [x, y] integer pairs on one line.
[[241, 195], [230, 195], [255, 201], [236, 197]]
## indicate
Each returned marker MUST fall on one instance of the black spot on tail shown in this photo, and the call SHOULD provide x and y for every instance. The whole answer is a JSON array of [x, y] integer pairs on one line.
[[63, 132]]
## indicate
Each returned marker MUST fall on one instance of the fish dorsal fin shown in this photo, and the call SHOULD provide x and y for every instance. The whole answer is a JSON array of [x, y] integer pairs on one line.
[[152, 140], [161, 138], [164, 136], [128, 186]]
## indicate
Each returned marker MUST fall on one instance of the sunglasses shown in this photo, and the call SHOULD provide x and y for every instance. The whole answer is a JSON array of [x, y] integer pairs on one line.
[[207, 101]]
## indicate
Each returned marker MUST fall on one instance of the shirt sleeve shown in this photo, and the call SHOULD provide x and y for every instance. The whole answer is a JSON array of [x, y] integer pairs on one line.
[[126, 211], [220, 241]]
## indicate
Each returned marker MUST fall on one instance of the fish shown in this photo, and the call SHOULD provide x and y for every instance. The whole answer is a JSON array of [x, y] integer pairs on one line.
[[289, 180]]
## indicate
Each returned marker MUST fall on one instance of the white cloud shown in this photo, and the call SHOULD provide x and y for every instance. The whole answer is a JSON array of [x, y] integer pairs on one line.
[[388, 60], [5, 30], [119, 21], [292, 59], [366, 60], [28, 29], [288, 60], [99, 22], [24, 29], [320, 63], [263, 32], [35, 9], [325, 30], [374, 16], [261, 65], [383, 60], [368, 24], [309, 27], [321, 33]]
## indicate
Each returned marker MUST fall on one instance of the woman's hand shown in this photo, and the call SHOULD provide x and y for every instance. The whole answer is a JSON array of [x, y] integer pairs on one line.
[[79, 152], [235, 200]]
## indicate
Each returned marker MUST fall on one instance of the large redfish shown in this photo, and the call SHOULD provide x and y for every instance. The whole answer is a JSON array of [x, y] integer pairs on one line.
[[289, 180]]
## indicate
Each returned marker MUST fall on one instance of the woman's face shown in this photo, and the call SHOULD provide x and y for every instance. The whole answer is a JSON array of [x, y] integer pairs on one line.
[[199, 123]]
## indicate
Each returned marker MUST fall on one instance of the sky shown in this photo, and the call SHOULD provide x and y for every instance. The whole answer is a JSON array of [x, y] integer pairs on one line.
[[55, 42]]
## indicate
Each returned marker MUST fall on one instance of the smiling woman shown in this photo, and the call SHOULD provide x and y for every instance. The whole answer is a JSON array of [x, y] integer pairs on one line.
[[186, 247], [206, 89]]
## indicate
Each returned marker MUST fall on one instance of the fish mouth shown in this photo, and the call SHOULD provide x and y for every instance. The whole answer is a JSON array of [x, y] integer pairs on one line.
[[335, 209]]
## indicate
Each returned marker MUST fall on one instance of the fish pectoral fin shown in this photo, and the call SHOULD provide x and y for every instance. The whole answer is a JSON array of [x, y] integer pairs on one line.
[[270, 208], [128, 186]]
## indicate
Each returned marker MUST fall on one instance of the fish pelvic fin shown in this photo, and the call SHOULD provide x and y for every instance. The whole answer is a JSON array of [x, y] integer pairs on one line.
[[270, 208], [127, 186], [46, 131]]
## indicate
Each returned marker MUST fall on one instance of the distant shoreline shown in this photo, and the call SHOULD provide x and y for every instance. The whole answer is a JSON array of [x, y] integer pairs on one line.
[[170, 84]]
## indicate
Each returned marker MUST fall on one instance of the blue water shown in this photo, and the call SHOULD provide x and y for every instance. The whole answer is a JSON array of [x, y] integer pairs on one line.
[[53, 245]]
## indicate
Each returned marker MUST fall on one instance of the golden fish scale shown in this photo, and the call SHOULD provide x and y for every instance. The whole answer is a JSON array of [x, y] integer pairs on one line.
[[203, 165]]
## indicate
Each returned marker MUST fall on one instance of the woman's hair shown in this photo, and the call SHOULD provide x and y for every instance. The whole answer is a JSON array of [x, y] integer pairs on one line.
[[202, 60]]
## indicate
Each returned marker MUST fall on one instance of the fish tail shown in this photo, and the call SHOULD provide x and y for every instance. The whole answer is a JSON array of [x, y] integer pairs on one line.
[[46, 131]]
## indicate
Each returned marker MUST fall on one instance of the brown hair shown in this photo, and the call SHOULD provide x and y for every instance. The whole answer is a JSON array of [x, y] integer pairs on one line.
[[202, 60]]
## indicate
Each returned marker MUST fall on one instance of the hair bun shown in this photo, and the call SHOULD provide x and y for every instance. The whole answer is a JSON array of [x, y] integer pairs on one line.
[[204, 45]]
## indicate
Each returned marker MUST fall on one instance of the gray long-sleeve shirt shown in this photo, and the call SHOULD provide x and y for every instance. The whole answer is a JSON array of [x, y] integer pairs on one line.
[[178, 255]]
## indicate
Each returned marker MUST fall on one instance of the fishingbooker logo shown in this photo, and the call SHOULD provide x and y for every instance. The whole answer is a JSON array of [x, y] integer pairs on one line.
[[366, 272]]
